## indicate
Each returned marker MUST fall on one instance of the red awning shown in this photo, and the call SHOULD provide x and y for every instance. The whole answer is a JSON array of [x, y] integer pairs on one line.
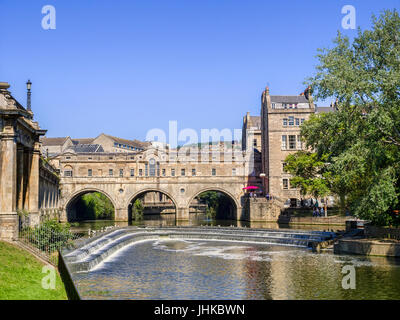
[[250, 188]]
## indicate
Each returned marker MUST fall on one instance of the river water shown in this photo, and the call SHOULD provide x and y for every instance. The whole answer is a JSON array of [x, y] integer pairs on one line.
[[197, 269]]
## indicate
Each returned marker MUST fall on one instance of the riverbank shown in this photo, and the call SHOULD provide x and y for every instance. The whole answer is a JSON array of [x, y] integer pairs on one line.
[[21, 276]]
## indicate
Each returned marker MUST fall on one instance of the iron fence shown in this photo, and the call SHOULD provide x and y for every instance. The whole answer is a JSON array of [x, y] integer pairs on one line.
[[46, 238]]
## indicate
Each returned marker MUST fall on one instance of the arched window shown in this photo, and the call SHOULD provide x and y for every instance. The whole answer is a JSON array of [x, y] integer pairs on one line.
[[68, 171], [152, 167]]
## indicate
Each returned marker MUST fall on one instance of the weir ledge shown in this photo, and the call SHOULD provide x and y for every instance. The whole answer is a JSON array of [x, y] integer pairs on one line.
[[88, 253]]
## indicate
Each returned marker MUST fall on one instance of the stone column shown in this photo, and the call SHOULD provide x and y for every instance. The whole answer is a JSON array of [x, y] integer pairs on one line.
[[33, 190], [26, 173], [20, 177], [8, 185]]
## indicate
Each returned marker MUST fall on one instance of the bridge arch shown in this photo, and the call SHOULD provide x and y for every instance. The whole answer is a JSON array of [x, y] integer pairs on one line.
[[144, 191], [235, 201], [73, 198]]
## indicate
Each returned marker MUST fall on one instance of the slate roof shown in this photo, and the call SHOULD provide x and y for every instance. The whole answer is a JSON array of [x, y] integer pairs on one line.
[[133, 143], [53, 141], [87, 148], [324, 109], [289, 99], [82, 141]]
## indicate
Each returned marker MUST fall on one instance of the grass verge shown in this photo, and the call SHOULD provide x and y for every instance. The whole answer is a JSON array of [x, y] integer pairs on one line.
[[21, 276]]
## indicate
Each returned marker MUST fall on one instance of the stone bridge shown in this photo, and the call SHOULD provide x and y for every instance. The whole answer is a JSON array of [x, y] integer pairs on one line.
[[181, 191]]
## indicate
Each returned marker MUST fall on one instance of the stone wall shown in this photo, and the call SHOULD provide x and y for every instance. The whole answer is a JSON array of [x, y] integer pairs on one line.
[[366, 247], [331, 220], [380, 232], [261, 209]]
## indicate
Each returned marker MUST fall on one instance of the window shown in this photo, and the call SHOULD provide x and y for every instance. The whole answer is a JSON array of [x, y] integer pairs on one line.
[[284, 142], [68, 158], [121, 172], [297, 121], [285, 184], [233, 171], [285, 122], [67, 173], [255, 142], [182, 172], [298, 142], [284, 105], [273, 105], [89, 172], [146, 169], [152, 164], [292, 142], [302, 121], [90, 158], [110, 172], [158, 169], [132, 172], [291, 121], [193, 172], [163, 172], [283, 166], [213, 172], [141, 172], [173, 172]]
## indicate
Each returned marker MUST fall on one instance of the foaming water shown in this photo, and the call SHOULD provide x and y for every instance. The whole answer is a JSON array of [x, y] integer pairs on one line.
[[201, 269]]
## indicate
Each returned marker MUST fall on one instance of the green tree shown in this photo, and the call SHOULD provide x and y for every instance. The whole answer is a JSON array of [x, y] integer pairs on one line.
[[95, 205], [360, 142], [309, 174], [137, 210]]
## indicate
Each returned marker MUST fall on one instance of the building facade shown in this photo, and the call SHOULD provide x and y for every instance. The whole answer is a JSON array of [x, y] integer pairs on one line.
[[281, 118]]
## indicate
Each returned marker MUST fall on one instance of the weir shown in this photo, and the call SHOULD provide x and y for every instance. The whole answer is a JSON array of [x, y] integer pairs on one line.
[[88, 253]]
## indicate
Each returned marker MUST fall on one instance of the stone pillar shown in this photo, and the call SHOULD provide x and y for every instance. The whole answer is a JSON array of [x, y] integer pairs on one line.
[[182, 213], [8, 185], [121, 214], [33, 190], [63, 215], [27, 168], [20, 177]]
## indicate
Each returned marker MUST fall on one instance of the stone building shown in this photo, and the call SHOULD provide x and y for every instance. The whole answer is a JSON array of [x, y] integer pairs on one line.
[[27, 185], [251, 132], [281, 118]]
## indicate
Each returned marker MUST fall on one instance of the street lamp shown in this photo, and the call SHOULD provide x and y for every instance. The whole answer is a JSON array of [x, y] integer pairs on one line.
[[28, 102]]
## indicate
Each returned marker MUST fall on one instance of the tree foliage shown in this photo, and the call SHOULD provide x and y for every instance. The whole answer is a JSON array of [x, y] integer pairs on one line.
[[137, 210], [95, 205], [360, 142], [217, 203]]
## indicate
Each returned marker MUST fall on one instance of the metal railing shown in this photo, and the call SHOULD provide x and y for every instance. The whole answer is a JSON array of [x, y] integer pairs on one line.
[[45, 239]]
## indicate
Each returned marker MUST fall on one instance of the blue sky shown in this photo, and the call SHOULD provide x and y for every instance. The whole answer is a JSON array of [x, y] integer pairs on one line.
[[124, 67]]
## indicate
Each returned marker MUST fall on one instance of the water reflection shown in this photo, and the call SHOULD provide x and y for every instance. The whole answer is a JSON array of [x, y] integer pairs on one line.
[[195, 220], [178, 269]]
